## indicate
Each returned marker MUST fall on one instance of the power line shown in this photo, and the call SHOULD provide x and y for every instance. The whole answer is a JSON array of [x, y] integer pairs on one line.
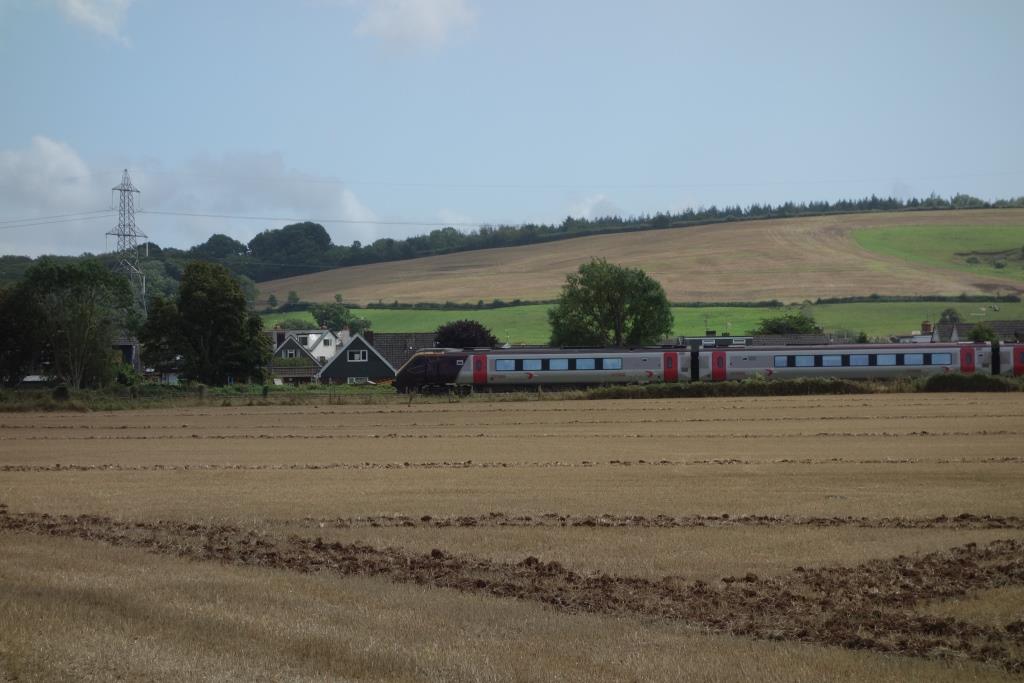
[[316, 220], [64, 220], [59, 215]]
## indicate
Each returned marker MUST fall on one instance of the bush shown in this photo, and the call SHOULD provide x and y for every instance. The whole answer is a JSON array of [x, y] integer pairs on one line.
[[959, 382]]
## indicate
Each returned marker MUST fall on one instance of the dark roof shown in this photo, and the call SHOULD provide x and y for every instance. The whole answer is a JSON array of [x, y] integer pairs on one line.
[[790, 340], [1008, 330], [398, 347]]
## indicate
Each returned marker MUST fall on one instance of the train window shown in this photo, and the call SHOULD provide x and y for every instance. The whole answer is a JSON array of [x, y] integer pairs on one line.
[[803, 361], [533, 364], [611, 363], [585, 364], [558, 364], [781, 361], [504, 364], [832, 361], [859, 359], [886, 359], [913, 359], [942, 358]]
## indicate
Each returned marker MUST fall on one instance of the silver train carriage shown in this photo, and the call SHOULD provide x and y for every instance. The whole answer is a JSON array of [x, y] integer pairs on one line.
[[433, 368]]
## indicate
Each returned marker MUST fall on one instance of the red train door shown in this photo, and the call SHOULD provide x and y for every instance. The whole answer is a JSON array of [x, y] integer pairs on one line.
[[1018, 360], [480, 368], [670, 364], [717, 365], [967, 359]]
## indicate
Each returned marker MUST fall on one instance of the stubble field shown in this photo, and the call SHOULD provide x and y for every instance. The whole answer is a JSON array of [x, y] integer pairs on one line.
[[876, 537]]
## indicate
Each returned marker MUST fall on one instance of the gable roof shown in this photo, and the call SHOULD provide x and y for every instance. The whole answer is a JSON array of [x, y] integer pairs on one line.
[[1007, 330], [294, 342], [398, 347], [341, 354]]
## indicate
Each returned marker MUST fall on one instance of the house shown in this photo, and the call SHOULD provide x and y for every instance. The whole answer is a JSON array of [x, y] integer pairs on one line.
[[292, 362], [1007, 330], [357, 362], [398, 347], [321, 343], [791, 340]]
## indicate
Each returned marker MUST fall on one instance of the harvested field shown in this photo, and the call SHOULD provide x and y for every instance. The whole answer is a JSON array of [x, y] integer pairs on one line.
[[884, 531], [785, 259]]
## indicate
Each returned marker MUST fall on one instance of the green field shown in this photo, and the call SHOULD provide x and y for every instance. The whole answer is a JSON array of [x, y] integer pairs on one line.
[[939, 245], [528, 324]]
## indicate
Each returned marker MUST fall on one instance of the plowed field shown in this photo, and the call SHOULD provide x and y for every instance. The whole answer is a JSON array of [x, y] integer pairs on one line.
[[813, 538]]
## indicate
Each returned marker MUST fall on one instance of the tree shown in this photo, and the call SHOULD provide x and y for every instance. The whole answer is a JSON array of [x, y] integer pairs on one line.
[[78, 309], [272, 301], [950, 315], [336, 317], [293, 298], [24, 339], [210, 326], [983, 333], [218, 247], [464, 334], [604, 304], [789, 323]]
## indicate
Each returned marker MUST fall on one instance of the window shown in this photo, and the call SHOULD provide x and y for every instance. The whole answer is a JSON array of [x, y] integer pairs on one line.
[[533, 364], [327, 341], [942, 358], [886, 359], [357, 356], [585, 364], [504, 364], [290, 353], [558, 364], [782, 361], [832, 361], [358, 380], [304, 339], [913, 359], [611, 363], [859, 359], [804, 361], [323, 359]]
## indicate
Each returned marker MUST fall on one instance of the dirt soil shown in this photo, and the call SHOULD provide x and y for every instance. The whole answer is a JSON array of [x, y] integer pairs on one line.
[[868, 606]]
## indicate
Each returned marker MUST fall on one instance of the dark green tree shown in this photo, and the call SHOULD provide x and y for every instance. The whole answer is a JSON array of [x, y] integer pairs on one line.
[[789, 323], [983, 333], [461, 334], [272, 301], [604, 304], [23, 340], [950, 315], [79, 308], [337, 316], [293, 298], [218, 247], [210, 326]]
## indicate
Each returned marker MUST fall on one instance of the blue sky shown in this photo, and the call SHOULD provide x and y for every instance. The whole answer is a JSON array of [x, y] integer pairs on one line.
[[470, 111]]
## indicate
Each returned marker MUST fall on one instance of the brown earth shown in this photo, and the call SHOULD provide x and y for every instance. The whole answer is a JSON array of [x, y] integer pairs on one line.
[[785, 259], [617, 501], [861, 608]]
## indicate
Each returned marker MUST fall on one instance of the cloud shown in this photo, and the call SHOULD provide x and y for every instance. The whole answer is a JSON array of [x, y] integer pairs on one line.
[[48, 178], [102, 16], [422, 23]]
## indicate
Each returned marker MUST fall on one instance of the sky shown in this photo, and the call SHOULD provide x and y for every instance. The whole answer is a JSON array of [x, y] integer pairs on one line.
[[388, 118]]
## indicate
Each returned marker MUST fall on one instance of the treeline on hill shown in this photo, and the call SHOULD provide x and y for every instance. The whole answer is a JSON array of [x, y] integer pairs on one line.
[[307, 247]]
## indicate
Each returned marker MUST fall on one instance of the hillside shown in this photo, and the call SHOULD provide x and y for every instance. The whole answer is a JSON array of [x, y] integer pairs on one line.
[[786, 259]]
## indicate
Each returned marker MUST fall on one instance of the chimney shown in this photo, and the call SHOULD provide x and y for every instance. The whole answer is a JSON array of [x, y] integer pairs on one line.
[[926, 327]]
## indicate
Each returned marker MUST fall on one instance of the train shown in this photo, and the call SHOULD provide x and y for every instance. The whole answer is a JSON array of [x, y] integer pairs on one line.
[[512, 368]]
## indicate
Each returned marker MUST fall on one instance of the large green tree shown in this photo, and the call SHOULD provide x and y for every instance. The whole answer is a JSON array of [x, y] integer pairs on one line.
[[209, 326], [604, 304], [70, 313], [462, 334], [789, 323], [337, 316]]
